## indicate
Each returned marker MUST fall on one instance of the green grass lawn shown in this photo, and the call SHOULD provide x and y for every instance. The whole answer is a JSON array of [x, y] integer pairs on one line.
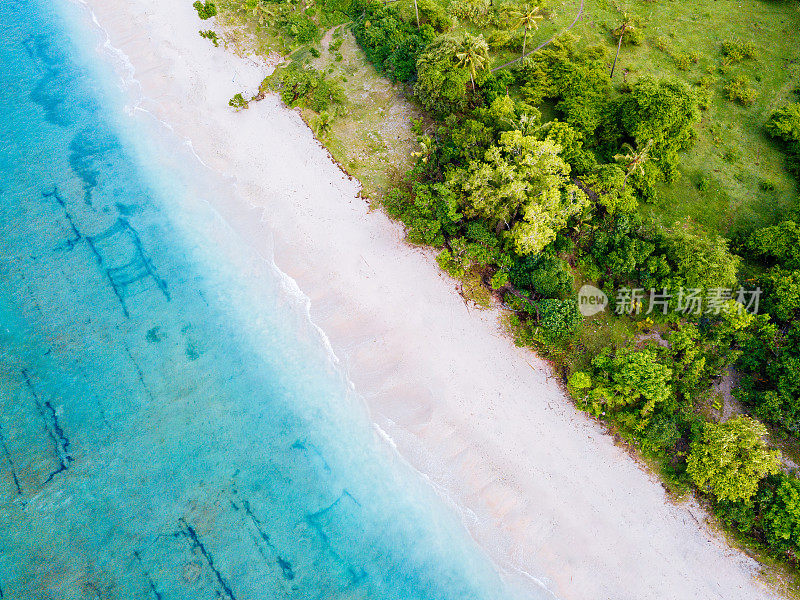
[[743, 172], [371, 136]]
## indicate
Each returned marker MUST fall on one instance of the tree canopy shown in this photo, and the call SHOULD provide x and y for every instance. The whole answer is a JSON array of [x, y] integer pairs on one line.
[[448, 63], [730, 458], [662, 110], [522, 185]]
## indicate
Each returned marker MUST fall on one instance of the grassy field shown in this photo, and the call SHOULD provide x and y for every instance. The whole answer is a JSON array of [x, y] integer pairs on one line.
[[734, 176], [372, 135]]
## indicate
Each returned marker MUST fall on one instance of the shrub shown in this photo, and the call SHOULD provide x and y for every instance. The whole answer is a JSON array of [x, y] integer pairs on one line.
[[685, 60], [737, 50], [301, 27], [210, 35], [205, 10], [739, 515], [238, 102], [558, 318], [305, 86], [784, 124], [739, 90], [661, 432], [731, 458]]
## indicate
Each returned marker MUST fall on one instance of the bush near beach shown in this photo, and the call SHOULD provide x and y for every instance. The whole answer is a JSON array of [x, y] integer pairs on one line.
[[541, 146]]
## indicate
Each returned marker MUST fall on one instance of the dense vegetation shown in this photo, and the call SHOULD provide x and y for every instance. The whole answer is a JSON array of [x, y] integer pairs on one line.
[[547, 174]]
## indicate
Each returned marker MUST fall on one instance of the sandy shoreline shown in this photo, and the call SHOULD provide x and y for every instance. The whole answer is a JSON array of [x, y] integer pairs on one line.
[[540, 486]]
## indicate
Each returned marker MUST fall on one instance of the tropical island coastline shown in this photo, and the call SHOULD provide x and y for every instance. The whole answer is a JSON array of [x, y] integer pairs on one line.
[[453, 399]]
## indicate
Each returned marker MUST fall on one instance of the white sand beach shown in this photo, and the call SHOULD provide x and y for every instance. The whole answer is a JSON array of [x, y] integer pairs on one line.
[[541, 487]]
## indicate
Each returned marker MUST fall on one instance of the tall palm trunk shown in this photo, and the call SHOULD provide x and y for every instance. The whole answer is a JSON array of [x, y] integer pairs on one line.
[[416, 11], [616, 56], [524, 41]]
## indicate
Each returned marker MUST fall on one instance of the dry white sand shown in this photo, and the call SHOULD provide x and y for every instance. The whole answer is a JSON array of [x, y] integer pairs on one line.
[[540, 486]]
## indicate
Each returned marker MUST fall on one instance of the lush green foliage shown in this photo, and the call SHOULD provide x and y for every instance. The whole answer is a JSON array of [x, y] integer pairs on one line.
[[448, 64], [627, 250], [630, 379], [238, 102], [576, 79], [781, 510], [301, 27], [664, 111], [391, 43], [730, 458], [205, 10], [304, 86], [522, 185], [210, 35], [784, 124]]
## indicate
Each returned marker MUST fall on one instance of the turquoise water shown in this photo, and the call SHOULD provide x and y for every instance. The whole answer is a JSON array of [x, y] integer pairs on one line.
[[171, 424]]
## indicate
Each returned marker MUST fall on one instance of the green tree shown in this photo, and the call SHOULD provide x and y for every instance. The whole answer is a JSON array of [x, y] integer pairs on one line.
[[391, 43], [435, 15], [441, 82], [522, 186], [784, 124], [633, 159], [571, 142], [694, 259], [781, 512], [664, 111], [782, 288], [730, 458], [473, 56], [528, 17], [205, 10], [575, 76], [631, 378], [776, 245]]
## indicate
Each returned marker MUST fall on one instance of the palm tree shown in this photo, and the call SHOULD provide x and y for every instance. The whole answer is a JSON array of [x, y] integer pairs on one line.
[[474, 55], [626, 27], [633, 160], [416, 11], [528, 18]]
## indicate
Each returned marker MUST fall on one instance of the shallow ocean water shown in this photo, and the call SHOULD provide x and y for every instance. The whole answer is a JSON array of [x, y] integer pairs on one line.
[[172, 425]]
